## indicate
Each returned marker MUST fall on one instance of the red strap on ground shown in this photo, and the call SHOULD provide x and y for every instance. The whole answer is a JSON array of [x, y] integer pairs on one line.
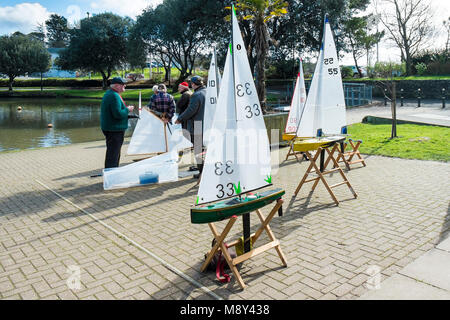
[[220, 274]]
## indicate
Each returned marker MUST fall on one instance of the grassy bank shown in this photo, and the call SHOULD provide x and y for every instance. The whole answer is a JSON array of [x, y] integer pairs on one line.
[[129, 94], [413, 142]]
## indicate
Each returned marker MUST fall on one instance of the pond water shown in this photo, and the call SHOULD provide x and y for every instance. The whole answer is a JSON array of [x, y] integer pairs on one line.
[[72, 120]]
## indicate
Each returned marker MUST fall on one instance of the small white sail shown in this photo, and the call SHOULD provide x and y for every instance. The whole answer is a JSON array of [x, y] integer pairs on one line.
[[325, 105], [159, 169], [140, 103], [238, 156], [175, 138], [297, 103], [149, 135], [212, 94]]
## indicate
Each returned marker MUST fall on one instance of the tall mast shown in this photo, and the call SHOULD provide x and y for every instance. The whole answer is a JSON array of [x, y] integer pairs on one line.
[[217, 72], [233, 12]]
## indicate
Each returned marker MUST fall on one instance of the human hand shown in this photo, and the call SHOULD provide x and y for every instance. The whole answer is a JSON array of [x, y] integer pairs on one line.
[[130, 108], [177, 122]]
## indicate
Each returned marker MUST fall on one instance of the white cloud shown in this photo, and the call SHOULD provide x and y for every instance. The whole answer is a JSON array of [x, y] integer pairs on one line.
[[73, 14], [130, 9], [23, 17]]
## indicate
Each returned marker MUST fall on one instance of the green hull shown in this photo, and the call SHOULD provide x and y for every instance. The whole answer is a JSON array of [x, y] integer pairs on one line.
[[233, 207]]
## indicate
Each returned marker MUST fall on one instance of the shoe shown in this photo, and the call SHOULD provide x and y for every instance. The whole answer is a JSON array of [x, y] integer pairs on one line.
[[193, 168], [197, 176]]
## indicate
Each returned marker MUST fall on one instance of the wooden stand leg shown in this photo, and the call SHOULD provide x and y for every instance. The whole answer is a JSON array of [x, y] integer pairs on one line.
[[291, 151], [312, 161], [344, 177], [220, 244], [265, 224], [321, 172]]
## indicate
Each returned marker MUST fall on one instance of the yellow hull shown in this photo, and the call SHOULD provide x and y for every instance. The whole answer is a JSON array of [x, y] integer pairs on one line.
[[288, 136], [315, 143]]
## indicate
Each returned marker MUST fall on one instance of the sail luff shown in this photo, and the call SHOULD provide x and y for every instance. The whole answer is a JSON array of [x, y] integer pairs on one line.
[[232, 56], [298, 102], [325, 104], [217, 72], [238, 157], [210, 99]]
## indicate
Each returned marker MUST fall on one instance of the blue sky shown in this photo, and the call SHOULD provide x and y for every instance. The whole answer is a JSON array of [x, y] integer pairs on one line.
[[24, 16], [19, 15]]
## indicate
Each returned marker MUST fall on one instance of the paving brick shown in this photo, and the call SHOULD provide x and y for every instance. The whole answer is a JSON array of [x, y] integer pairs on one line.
[[328, 248], [342, 290]]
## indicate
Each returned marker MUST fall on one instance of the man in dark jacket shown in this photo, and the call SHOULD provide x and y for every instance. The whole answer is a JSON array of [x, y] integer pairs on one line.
[[114, 121], [193, 115], [183, 103]]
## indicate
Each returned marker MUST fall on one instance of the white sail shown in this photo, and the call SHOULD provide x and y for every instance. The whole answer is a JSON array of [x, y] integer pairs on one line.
[[325, 105], [140, 104], [175, 138], [159, 169], [238, 156], [297, 103], [212, 94], [151, 136]]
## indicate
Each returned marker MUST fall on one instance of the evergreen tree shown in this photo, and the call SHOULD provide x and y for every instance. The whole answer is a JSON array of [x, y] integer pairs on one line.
[[57, 31], [20, 55]]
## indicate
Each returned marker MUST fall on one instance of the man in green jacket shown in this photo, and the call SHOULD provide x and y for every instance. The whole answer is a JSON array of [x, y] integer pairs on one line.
[[114, 121]]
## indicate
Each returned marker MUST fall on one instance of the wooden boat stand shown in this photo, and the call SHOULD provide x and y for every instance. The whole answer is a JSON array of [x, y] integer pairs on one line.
[[220, 244], [320, 171], [298, 154], [347, 156]]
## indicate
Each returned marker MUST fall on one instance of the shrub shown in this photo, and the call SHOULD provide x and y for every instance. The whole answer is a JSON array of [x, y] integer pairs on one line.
[[389, 69], [421, 68], [346, 72]]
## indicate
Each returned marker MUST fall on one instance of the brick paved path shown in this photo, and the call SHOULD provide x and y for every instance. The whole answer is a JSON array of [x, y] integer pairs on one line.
[[401, 212]]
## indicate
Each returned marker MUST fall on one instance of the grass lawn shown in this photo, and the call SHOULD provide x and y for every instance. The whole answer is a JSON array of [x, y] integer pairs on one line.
[[413, 141], [442, 77], [129, 94]]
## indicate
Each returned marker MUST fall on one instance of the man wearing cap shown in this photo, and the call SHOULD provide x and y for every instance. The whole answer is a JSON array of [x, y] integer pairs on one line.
[[163, 104], [183, 103], [193, 115], [114, 121]]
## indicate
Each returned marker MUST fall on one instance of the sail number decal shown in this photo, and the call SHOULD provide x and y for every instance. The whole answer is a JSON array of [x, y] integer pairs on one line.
[[219, 170], [243, 89], [333, 71], [212, 83], [213, 100], [255, 112], [221, 190]]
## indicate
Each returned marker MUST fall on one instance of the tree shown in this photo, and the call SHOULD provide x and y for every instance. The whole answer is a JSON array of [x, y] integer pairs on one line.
[[409, 26], [389, 89], [20, 55], [99, 45], [260, 12], [299, 32], [357, 32], [446, 24], [38, 33], [57, 31], [178, 30]]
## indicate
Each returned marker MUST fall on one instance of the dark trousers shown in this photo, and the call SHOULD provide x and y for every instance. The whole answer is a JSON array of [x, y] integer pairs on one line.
[[114, 141], [197, 141]]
